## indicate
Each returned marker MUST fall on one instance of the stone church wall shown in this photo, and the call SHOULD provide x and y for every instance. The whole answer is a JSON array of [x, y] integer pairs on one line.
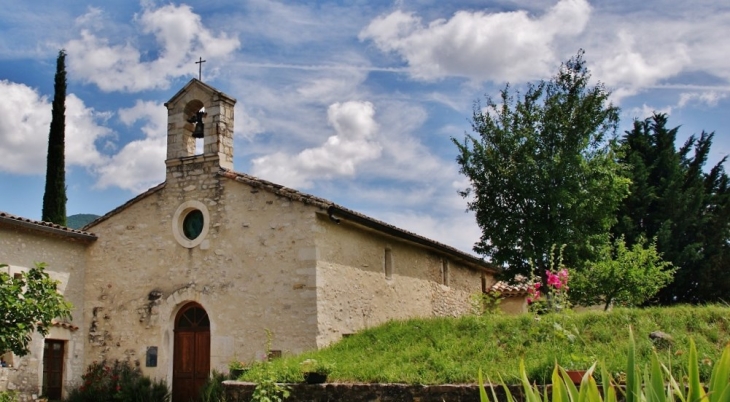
[[354, 291], [65, 259], [253, 272]]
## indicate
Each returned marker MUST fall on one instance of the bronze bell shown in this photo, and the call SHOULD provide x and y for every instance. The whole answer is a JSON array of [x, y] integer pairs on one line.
[[198, 133], [197, 118]]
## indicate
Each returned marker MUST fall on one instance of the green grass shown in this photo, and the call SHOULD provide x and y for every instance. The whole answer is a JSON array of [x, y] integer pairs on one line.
[[452, 350]]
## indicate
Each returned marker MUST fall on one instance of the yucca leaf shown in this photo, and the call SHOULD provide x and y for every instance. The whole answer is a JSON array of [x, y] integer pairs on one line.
[[609, 392], [656, 381], [632, 375], [719, 387], [482, 391], [677, 390], [507, 392], [570, 388], [696, 392], [531, 394], [588, 387]]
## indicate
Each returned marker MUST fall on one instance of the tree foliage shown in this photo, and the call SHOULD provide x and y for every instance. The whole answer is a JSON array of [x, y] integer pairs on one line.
[[686, 208], [54, 197], [626, 276], [28, 303], [542, 169]]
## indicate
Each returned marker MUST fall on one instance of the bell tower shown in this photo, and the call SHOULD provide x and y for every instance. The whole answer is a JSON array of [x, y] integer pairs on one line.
[[198, 105]]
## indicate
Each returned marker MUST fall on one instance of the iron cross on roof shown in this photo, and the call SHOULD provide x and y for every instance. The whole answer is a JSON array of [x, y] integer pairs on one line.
[[200, 68]]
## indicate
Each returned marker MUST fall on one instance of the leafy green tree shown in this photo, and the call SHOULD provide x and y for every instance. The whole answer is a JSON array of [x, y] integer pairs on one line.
[[54, 198], [542, 170], [28, 303], [685, 208], [622, 275]]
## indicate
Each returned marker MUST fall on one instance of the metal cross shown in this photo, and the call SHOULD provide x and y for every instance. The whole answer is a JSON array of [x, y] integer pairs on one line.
[[200, 68]]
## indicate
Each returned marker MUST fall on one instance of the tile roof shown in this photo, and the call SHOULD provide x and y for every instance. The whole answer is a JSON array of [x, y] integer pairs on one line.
[[516, 289], [63, 324], [46, 227]]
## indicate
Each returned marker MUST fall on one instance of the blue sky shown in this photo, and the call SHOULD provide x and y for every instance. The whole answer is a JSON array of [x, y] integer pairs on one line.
[[353, 101]]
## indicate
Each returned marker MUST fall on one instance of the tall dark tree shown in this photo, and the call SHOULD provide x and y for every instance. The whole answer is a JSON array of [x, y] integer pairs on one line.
[[685, 208], [542, 170], [54, 198]]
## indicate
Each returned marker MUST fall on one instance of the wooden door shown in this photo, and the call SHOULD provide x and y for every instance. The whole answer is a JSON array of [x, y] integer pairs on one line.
[[53, 369], [191, 356]]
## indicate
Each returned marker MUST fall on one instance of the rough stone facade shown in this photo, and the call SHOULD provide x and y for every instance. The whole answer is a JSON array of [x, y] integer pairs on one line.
[[265, 259], [21, 246]]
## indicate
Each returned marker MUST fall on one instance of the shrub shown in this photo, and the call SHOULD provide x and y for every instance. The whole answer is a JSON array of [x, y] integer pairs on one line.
[[118, 381], [212, 390]]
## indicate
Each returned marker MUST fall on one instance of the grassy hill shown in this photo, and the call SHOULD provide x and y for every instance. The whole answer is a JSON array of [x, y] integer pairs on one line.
[[451, 350]]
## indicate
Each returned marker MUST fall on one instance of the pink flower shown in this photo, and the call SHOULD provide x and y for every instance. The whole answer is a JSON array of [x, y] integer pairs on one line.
[[553, 280]]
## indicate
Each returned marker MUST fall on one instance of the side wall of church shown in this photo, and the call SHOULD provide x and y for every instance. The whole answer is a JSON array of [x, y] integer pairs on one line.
[[253, 272], [65, 259], [354, 291]]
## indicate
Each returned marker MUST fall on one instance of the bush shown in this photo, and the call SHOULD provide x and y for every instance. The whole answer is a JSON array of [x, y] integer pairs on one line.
[[212, 390], [118, 381]]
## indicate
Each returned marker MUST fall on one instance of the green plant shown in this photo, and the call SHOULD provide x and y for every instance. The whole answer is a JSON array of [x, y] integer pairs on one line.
[[313, 366], [118, 381], [236, 364], [657, 384], [212, 390], [576, 359], [622, 275], [28, 303], [486, 303], [8, 396], [267, 388]]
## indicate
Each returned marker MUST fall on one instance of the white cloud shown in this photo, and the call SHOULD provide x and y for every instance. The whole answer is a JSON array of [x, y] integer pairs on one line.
[[140, 163], [709, 98], [506, 46], [179, 33], [644, 112], [458, 230], [26, 119], [354, 143]]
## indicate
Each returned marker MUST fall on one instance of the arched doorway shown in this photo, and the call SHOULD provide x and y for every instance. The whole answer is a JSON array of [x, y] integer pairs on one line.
[[191, 357]]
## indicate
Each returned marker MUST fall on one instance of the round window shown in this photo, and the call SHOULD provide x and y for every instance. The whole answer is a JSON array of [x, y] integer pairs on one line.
[[193, 224], [190, 223]]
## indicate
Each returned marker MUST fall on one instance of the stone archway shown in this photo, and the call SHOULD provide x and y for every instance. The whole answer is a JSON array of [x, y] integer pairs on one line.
[[191, 352]]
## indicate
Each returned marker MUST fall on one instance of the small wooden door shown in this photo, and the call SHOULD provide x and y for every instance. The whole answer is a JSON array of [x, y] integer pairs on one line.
[[191, 359], [53, 369]]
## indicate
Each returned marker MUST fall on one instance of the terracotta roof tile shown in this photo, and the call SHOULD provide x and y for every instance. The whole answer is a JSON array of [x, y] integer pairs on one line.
[[47, 227], [521, 287], [64, 324]]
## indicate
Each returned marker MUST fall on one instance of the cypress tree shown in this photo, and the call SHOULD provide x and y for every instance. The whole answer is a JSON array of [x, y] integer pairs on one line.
[[54, 198], [687, 210]]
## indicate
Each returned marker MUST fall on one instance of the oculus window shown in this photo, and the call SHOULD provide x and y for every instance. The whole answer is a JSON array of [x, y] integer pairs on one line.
[[190, 223]]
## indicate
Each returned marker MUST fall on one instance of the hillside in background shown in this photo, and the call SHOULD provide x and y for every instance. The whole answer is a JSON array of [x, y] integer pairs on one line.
[[80, 220]]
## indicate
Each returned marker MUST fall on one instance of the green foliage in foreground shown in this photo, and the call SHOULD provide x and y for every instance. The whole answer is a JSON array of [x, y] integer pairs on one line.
[[452, 350], [118, 381], [28, 303], [656, 385]]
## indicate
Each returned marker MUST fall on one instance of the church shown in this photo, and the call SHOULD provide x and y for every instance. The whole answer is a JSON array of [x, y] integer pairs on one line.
[[194, 272]]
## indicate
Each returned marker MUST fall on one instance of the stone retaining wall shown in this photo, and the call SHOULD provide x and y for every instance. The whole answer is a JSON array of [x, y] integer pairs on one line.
[[241, 391]]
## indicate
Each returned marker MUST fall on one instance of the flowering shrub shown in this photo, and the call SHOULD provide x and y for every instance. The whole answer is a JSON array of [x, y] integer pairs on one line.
[[118, 381], [556, 295]]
